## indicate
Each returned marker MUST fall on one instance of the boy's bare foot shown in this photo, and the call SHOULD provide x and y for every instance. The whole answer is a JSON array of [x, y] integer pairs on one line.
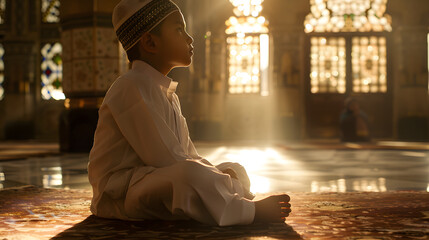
[[272, 209]]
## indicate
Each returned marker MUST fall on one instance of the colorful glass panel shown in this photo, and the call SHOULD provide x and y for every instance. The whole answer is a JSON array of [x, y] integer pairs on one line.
[[50, 11], [52, 72], [369, 64], [244, 62], [328, 65], [248, 49], [247, 7]]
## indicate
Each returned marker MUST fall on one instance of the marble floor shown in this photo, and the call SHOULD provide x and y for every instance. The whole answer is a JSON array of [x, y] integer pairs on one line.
[[272, 167]]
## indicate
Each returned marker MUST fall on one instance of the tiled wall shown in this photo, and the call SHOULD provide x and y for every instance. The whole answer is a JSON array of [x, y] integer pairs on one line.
[[91, 59]]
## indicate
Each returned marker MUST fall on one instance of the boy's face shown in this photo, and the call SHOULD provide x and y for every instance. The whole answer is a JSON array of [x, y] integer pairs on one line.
[[175, 44]]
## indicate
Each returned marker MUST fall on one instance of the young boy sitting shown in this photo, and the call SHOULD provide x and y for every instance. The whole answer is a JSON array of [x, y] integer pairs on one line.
[[143, 165]]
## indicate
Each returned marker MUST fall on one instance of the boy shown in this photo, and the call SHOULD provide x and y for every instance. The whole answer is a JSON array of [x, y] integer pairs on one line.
[[143, 165]]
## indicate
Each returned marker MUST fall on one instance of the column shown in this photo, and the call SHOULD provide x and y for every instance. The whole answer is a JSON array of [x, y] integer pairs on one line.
[[90, 65], [411, 105]]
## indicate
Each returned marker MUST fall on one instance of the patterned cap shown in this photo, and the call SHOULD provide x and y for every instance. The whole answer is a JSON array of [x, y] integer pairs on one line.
[[132, 18]]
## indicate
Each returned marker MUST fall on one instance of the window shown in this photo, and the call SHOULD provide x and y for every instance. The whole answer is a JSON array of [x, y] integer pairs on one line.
[[50, 11], [244, 64], [51, 65], [369, 64], [328, 65], [1, 72], [348, 16], [248, 49], [52, 72], [329, 68]]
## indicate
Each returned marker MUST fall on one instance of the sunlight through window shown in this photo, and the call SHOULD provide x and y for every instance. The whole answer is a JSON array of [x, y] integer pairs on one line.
[[1, 72], [369, 64], [254, 160], [328, 65], [348, 16], [248, 48]]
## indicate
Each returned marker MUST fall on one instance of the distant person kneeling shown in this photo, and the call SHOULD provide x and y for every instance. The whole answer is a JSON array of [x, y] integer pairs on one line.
[[354, 123]]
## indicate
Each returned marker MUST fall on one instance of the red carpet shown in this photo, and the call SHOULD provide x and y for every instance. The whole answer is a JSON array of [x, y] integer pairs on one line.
[[37, 213]]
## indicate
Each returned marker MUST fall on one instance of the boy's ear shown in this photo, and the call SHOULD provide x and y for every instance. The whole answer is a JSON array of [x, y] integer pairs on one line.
[[148, 42]]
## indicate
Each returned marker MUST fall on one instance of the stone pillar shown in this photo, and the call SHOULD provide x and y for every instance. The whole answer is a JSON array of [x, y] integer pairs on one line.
[[411, 99], [90, 65]]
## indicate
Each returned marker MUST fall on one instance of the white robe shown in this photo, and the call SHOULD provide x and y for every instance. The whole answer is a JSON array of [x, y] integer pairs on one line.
[[143, 165]]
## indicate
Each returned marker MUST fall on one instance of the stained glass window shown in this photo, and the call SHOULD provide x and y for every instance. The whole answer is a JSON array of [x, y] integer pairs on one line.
[[328, 65], [1, 72], [368, 53], [369, 64], [248, 49], [50, 11], [52, 72], [247, 7], [348, 16], [244, 64], [2, 10]]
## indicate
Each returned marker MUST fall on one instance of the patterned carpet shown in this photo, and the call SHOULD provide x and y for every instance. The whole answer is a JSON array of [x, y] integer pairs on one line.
[[37, 213]]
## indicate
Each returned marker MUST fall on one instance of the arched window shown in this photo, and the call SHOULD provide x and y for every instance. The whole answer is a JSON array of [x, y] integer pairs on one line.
[[50, 11], [248, 49], [332, 50], [348, 16]]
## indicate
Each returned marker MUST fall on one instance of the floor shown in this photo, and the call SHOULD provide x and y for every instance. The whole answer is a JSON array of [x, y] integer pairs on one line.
[[28, 213], [378, 190], [272, 167]]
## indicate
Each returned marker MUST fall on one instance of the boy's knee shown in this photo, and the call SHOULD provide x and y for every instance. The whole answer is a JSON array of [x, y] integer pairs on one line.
[[193, 171]]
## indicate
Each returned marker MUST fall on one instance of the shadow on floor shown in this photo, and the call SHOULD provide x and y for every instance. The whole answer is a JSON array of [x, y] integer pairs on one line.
[[99, 228]]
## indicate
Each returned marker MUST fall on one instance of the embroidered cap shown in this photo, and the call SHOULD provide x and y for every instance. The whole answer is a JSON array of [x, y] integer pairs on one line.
[[132, 18]]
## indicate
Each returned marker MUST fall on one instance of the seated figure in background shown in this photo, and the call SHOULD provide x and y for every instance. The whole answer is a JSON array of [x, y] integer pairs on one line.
[[354, 125]]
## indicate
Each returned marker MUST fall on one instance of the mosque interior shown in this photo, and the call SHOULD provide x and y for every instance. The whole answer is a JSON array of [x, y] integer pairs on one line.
[[268, 87]]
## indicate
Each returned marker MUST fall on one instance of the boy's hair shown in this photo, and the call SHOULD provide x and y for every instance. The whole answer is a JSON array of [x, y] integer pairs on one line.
[[133, 53]]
